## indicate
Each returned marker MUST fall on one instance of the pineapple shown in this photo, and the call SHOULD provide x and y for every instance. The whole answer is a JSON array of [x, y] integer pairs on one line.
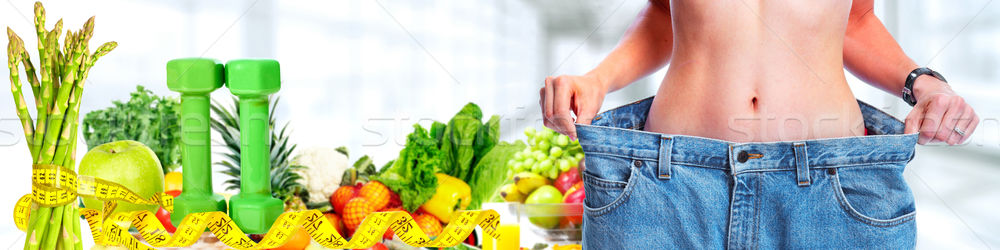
[[284, 179]]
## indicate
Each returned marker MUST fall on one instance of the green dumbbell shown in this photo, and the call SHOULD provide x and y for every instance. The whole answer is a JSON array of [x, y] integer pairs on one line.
[[253, 80], [195, 79]]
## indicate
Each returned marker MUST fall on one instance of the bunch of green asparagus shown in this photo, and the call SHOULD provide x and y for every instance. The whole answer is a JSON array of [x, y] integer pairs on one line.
[[57, 89]]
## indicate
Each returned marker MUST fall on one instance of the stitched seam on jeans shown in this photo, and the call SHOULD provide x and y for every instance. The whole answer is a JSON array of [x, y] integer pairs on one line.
[[811, 166], [617, 202], [815, 167], [631, 157], [605, 183], [853, 213], [756, 218], [857, 164]]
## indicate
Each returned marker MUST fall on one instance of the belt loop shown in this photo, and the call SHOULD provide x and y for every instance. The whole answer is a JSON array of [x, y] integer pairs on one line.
[[801, 164], [666, 148]]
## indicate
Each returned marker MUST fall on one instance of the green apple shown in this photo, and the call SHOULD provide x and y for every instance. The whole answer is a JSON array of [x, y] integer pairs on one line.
[[544, 216], [128, 163]]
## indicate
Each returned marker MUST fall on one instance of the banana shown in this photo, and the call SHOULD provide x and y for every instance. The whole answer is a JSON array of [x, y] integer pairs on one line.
[[528, 181], [510, 193]]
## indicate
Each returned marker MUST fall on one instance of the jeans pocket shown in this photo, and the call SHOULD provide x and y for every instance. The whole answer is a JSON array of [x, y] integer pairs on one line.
[[876, 195], [607, 181]]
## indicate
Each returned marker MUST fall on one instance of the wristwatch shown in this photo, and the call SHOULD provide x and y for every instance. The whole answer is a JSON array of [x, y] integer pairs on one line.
[[908, 86]]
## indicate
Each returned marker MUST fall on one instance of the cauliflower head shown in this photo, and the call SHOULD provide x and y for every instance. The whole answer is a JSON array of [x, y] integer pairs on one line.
[[323, 170]]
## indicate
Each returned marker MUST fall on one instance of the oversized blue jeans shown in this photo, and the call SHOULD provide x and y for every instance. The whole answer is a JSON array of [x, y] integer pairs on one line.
[[649, 189]]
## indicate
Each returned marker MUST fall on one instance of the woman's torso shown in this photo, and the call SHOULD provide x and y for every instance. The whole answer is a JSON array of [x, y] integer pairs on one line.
[[755, 70]]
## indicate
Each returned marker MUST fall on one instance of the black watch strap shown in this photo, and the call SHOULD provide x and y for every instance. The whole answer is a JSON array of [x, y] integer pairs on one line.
[[908, 86]]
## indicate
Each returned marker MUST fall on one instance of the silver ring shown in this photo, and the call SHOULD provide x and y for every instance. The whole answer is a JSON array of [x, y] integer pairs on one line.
[[959, 131]]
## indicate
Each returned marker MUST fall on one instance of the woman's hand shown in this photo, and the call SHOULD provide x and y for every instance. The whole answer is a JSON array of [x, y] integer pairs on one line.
[[940, 115], [581, 95]]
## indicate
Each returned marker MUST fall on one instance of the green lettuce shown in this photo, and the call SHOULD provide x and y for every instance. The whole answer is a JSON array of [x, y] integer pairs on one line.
[[491, 172], [411, 176], [464, 128]]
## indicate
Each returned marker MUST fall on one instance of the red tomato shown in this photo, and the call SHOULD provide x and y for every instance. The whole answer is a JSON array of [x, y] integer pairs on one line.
[[164, 217], [173, 193]]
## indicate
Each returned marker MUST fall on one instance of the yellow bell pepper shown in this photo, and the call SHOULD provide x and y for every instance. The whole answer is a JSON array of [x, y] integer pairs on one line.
[[452, 195]]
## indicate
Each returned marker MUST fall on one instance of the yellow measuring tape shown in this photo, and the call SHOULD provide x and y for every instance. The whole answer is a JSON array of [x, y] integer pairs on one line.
[[55, 185]]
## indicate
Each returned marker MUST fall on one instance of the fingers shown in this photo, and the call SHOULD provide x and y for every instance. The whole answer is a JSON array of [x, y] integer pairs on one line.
[[972, 125], [913, 119], [547, 98], [950, 119], [967, 123], [541, 104], [561, 116], [931, 121], [585, 114]]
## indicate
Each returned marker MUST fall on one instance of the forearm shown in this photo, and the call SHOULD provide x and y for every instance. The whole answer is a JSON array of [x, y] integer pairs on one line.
[[645, 48], [871, 54]]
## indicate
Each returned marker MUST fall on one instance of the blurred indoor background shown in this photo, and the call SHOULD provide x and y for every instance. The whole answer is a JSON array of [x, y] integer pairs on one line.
[[359, 73]]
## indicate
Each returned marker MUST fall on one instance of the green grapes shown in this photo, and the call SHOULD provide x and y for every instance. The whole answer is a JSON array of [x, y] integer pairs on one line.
[[548, 154]]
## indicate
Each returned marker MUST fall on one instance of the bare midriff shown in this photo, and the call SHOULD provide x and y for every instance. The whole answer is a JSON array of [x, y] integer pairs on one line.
[[757, 71]]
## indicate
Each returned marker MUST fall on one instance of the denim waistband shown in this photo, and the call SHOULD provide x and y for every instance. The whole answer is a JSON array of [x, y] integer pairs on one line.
[[619, 132]]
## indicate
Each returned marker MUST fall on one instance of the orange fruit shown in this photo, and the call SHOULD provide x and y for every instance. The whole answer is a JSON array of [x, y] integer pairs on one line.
[[341, 196], [173, 181], [299, 240], [337, 223], [376, 193], [429, 224], [355, 212]]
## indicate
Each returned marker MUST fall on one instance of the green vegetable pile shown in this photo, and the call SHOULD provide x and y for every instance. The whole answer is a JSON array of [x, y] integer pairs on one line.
[[462, 148], [145, 117]]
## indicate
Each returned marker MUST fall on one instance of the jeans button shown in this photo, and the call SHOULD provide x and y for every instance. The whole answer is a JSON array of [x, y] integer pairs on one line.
[[637, 163], [743, 156]]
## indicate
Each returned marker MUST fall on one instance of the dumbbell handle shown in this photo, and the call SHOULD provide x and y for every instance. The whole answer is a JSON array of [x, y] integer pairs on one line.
[[255, 143], [196, 152]]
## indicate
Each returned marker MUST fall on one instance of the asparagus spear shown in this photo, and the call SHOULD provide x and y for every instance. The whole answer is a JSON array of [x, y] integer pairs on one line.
[[29, 69], [58, 114], [50, 84], [78, 245], [32, 219], [67, 238], [14, 56], [46, 91], [40, 30], [52, 228], [55, 56]]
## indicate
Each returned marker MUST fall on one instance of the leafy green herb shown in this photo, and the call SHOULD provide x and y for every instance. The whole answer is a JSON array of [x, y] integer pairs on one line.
[[145, 117], [411, 175]]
